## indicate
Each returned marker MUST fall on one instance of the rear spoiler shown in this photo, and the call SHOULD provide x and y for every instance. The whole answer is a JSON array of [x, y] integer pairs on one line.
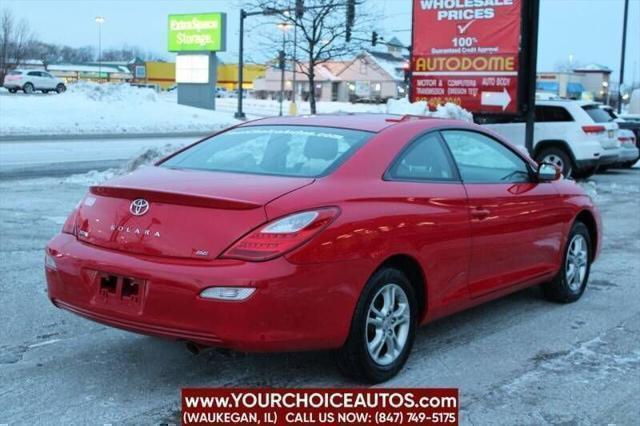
[[195, 200]]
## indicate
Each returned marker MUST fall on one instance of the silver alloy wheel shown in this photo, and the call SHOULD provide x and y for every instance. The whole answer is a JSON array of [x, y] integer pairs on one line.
[[388, 323], [554, 159], [576, 263]]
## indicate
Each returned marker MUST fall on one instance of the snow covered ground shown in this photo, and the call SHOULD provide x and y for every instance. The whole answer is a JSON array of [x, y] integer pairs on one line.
[[89, 108], [120, 109], [265, 108]]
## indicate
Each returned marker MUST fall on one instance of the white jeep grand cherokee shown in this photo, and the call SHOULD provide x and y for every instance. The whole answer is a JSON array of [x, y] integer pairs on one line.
[[577, 136]]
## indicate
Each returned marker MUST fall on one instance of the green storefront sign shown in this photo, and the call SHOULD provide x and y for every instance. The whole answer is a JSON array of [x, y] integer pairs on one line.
[[204, 32]]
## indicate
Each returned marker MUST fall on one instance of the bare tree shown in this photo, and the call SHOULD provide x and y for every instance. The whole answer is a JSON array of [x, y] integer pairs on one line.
[[15, 41], [322, 33]]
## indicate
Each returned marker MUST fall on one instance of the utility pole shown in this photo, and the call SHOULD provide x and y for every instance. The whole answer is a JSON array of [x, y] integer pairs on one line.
[[624, 48], [533, 12]]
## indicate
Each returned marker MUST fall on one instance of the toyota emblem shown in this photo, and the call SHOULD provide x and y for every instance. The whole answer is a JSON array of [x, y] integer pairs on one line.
[[139, 207]]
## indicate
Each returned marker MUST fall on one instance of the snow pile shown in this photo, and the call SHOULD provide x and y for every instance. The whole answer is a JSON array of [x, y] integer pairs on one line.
[[147, 157], [449, 110], [113, 92], [91, 109]]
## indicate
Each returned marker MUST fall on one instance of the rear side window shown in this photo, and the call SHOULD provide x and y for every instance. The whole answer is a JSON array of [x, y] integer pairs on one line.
[[597, 114], [34, 73], [425, 159], [305, 151], [552, 114]]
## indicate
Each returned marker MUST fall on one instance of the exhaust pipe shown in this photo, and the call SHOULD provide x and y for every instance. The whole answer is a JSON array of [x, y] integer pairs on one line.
[[195, 348]]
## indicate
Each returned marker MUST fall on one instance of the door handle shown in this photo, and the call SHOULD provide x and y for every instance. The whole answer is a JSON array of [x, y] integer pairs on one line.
[[480, 213]]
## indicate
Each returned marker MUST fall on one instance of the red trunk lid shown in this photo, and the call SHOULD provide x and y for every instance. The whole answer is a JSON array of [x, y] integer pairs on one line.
[[191, 214]]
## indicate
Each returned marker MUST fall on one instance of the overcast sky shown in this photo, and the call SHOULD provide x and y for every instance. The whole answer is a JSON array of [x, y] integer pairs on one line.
[[590, 30]]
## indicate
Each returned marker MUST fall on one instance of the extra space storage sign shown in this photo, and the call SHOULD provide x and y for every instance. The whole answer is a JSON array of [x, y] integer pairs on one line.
[[466, 52]]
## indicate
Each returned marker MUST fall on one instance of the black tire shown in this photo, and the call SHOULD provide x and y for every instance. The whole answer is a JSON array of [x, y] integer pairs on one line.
[[354, 359], [13, 90], [60, 88], [559, 158], [28, 88], [45, 91], [562, 289]]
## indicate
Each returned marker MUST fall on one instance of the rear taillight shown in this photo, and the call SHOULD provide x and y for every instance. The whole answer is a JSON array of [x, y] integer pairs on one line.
[[281, 235], [69, 226], [627, 140], [593, 129]]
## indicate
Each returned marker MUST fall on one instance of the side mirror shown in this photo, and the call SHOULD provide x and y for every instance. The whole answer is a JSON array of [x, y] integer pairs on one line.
[[548, 172]]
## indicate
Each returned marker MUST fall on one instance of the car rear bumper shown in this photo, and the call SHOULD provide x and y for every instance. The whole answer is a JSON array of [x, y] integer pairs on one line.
[[294, 307], [12, 86], [610, 156], [628, 154]]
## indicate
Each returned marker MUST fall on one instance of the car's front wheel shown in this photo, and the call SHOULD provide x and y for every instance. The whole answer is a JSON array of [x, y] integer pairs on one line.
[[558, 157], [382, 330], [28, 88], [571, 281]]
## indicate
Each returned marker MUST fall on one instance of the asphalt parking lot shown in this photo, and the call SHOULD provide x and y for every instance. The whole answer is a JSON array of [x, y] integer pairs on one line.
[[518, 360]]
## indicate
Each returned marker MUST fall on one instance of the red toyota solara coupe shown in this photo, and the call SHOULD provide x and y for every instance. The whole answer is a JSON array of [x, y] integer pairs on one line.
[[322, 232]]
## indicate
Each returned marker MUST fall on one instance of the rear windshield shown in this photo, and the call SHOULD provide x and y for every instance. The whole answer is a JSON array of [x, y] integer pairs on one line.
[[304, 151], [597, 114], [610, 113], [14, 73]]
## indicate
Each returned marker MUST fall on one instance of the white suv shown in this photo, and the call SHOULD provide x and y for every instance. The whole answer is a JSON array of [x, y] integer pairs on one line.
[[31, 80], [576, 136]]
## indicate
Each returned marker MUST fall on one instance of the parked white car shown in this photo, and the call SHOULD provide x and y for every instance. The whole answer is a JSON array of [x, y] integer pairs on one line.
[[30, 81], [576, 136]]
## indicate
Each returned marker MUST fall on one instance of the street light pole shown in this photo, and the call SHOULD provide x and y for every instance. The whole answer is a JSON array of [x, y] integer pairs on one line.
[[282, 73], [293, 110], [239, 113], [284, 27], [100, 20], [622, 55]]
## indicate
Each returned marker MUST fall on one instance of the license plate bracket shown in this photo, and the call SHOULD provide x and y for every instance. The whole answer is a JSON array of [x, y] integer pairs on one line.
[[119, 292]]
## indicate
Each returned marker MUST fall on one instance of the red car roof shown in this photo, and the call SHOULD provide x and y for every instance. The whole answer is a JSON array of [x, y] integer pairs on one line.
[[357, 121]]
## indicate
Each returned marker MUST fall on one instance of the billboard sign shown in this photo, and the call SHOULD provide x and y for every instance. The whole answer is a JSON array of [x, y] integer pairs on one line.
[[466, 52], [201, 32]]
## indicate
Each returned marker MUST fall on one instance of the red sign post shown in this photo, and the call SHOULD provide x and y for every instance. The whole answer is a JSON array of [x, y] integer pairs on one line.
[[466, 52]]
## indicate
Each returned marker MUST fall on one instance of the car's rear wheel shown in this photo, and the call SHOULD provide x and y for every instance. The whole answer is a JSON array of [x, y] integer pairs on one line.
[[61, 88], [382, 330], [13, 90], [572, 278], [28, 88], [558, 157], [45, 91]]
